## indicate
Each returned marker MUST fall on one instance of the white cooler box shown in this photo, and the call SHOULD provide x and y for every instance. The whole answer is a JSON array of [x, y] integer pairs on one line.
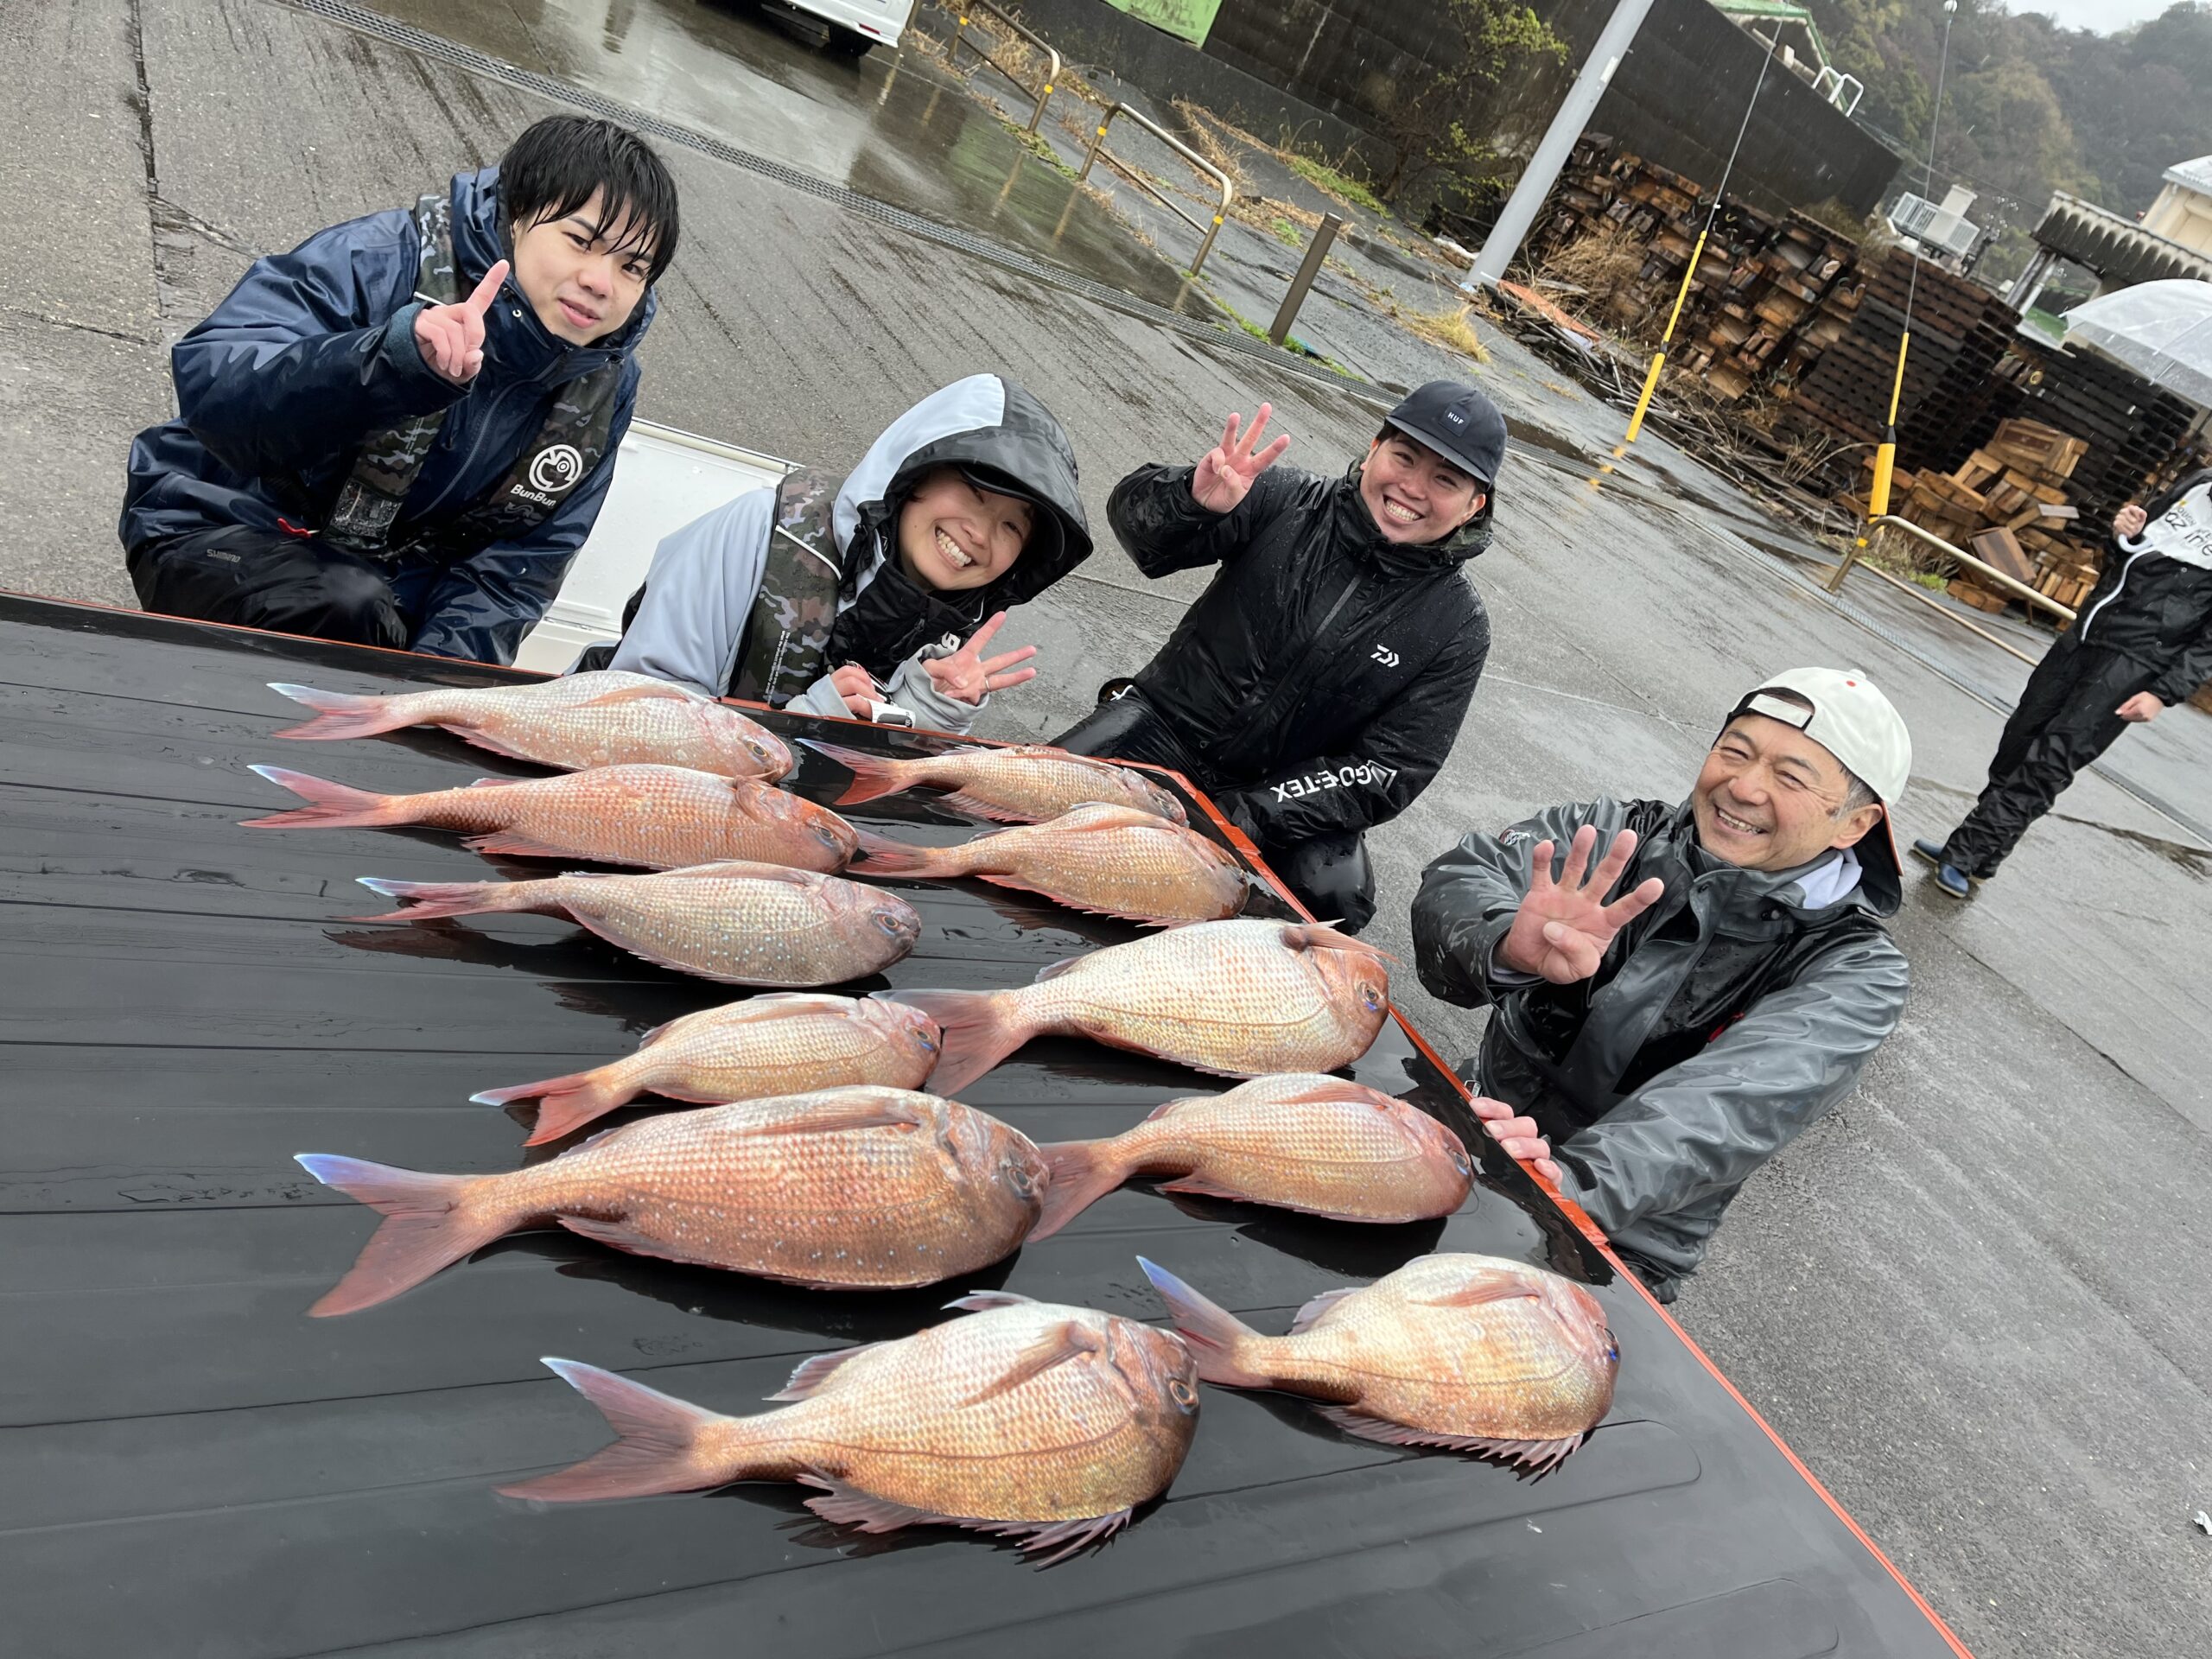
[[663, 479]]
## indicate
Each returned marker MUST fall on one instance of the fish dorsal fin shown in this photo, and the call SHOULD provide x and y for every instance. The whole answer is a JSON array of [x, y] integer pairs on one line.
[[1062, 1343], [1310, 1315], [776, 1006], [747, 869], [1060, 968], [1484, 1285], [976, 1301], [808, 1379]]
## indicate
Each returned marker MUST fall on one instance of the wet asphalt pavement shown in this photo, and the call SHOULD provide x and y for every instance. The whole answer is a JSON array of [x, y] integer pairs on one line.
[[1973, 1299]]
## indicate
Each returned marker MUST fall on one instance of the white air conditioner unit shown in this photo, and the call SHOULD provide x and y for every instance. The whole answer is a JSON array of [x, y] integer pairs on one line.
[[1933, 226]]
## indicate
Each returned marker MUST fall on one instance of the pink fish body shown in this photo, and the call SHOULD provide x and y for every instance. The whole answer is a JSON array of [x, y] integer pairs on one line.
[[769, 1045], [1031, 784], [1315, 1143], [604, 719], [1114, 861], [1477, 1353], [662, 818], [735, 922], [1241, 998], [842, 1189], [1047, 1423]]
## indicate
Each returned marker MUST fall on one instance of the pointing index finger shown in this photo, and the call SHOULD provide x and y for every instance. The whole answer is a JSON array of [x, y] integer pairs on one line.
[[488, 290]]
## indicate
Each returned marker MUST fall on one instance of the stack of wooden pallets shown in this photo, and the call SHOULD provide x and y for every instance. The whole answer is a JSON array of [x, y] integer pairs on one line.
[[2007, 504], [1770, 294]]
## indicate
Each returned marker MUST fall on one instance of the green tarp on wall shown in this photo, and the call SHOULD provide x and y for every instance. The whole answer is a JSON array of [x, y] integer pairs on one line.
[[1190, 19]]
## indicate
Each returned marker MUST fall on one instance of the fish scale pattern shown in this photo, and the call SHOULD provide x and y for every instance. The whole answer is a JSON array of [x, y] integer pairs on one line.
[[1023, 1411], [765, 1187]]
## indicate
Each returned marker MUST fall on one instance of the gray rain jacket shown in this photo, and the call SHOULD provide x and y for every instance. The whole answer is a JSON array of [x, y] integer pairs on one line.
[[690, 621], [1723, 1020]]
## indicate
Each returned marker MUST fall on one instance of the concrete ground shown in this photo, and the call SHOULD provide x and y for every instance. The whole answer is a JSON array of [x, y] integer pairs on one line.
[[1973, 1299]]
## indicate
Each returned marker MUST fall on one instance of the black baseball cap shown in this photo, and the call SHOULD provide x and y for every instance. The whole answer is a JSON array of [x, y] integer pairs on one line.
[[1458, 423]]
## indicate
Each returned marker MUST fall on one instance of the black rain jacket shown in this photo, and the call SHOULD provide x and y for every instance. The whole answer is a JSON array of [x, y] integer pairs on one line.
[[1722, 1022], [1321, 677], [2154, 609]]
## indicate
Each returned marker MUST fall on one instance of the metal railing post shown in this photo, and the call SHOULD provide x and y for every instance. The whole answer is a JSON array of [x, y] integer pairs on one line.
[[1308, 269], [1051, 56], [1200, 162]]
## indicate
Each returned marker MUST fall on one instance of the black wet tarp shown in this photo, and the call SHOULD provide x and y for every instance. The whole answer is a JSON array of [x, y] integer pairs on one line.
[[190, 1465]]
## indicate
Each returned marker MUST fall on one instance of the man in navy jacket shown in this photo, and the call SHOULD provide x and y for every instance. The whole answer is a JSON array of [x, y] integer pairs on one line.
[[399, 433]]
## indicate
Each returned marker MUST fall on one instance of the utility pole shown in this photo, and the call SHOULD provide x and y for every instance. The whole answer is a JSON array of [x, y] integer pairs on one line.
[[1537, 179]]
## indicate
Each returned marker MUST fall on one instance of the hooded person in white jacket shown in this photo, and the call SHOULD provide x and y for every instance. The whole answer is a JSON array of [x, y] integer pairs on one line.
[[876, 597]]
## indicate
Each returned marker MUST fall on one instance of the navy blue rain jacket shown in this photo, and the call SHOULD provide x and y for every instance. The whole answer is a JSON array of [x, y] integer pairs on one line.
[[313, 351]]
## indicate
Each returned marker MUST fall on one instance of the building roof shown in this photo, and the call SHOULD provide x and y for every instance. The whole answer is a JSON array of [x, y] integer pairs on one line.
[[2192, 175], [2115, 247]]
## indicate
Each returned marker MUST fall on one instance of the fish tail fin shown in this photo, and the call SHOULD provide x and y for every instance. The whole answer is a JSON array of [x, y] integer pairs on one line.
[[657, 1449], [1083, 1172], [885, 857], [1217, 1337], [980, 1029], [429, 1224], [565, 1104], [873, 775], [340, 714], [420, 901], [330, 806]]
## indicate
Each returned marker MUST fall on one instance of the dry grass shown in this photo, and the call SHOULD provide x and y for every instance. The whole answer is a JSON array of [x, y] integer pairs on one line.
[[1200, 123], [1453, 328], [1599, 262]]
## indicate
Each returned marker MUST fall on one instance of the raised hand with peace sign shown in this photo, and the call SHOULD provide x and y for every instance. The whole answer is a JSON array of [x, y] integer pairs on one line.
[[1562, 928], [451, 337], [1225, 473], [970, 677]]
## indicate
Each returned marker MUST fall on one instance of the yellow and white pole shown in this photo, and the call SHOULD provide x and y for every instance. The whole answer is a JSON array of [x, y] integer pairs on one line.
[[1682, 293], [1885, 453]]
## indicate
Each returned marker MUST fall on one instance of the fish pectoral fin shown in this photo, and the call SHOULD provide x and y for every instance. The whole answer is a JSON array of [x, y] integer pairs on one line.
[[850, 1507], [623, 1237], [808, 1379], [961, 801], [1530, 1454], [660, 692], [1305, 935], [1199, 1186], [749, 870], [500, 782], [1310, 1315], [847, 1115], [976, 1300], [1063, 1342], [1484, 1285], [514, 846], [1057, 969]]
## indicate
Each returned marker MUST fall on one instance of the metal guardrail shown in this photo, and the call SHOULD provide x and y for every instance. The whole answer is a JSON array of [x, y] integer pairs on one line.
[[1228, 185], [1988, 573], [1051, 57]]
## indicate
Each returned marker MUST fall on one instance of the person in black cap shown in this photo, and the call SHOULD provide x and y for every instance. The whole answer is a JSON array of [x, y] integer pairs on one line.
[[1318, 682]]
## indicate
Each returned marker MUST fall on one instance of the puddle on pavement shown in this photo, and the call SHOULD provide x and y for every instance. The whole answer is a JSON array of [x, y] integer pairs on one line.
[[889, 127]]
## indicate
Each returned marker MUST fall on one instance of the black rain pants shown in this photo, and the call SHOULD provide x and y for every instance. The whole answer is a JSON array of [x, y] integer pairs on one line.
[[269, 579], [2064, 722]]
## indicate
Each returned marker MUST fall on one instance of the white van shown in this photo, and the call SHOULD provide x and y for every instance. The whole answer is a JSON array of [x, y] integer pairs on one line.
[[856, 25]]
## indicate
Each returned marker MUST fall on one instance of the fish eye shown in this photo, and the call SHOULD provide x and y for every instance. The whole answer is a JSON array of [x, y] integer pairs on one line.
[[893, 924], [1021, 1178], [757, 749], [928, 1042], [1182, 1393], [1370, 999], [1460, 1164]]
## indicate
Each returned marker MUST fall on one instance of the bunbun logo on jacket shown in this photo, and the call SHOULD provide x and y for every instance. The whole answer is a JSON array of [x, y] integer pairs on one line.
[[556, 470]]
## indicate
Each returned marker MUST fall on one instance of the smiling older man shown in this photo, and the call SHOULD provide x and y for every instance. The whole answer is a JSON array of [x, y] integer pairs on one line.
[[1664, 1023]]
